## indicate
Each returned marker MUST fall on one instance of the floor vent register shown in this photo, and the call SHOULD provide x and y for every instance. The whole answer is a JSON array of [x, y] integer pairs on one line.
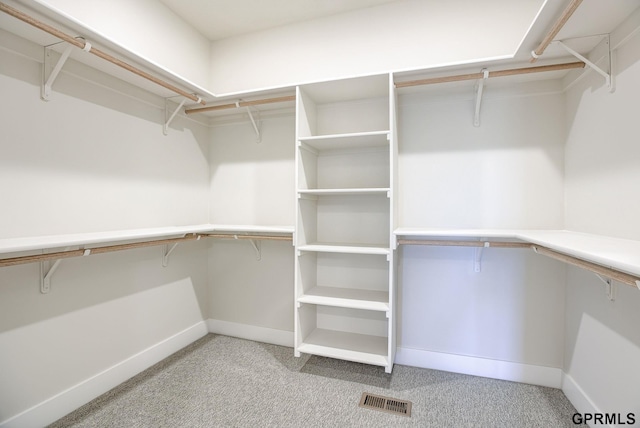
[[386, 404]]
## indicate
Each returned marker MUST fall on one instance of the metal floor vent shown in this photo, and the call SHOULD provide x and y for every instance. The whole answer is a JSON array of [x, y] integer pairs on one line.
[[386, 404]]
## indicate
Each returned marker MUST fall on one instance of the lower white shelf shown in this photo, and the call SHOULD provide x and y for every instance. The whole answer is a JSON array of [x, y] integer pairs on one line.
[[345, 248], [360, 348], [347, 298]]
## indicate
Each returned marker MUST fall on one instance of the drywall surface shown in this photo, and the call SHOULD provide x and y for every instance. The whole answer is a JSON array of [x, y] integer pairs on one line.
[[93, 158], [603, 154], [252, 180], [602, 196], [252, 183], [391, 37], [506, 173], [146, 28]]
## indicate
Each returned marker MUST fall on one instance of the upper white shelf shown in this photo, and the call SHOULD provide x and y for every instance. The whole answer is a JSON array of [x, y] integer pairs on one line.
[[345, 192], [345, 248], [347, 141], [15, 245], [616, 253]]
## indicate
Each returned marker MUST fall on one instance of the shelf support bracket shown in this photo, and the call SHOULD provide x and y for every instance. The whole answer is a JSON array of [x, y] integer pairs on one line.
[[46, 272], [477, 265], [479, 90], [610, 287], [167, 252], [256, 124], [608, 75], [47, 80], [257, 245], [169, 118]]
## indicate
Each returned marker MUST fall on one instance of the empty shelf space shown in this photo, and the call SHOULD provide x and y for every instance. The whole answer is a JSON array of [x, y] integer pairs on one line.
[[345, 192], [347, 298], [356, 347], [345, 248], [344, 141]]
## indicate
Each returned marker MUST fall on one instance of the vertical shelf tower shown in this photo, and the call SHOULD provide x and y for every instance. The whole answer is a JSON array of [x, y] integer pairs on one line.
[[346, 155]]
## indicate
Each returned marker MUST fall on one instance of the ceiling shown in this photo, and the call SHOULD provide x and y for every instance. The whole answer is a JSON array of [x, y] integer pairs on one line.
[[221, 19]]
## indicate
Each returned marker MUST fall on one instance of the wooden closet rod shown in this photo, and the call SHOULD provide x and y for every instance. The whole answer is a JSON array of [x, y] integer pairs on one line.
[[242, 104], [498, 73], [91, 251], [622, 277], [82, 45], [555, 29], [625, 278], [443, 243], [111, 248]]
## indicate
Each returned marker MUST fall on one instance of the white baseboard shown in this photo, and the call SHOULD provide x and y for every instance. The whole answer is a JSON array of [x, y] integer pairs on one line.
[[67, 401], [577, 396], [251, 332], [496, 369]]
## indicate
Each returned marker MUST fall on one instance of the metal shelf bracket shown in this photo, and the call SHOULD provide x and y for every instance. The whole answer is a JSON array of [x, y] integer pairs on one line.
[[254, 122], [610, 287], [50, 71], [47, 269], [46, 272], [477, 264], [168, 117], [607, 72], [168, 249], [257, 245], [479, 90]]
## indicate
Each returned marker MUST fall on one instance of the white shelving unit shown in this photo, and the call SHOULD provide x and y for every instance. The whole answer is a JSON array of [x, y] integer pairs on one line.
[[344, 279]]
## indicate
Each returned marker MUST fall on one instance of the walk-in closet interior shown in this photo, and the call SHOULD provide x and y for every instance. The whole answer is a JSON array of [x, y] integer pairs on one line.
[[450, 185]]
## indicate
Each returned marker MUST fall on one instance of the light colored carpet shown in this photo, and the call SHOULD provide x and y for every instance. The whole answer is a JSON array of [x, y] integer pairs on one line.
[[220, 381]]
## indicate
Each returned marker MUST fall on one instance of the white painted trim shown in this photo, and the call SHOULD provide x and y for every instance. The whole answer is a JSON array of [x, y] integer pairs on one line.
[[70, 399], [496, 369], [251, 332], [577, 396]]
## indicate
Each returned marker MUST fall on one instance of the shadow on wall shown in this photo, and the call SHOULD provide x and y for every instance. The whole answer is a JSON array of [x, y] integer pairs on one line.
[[602, 346], [509, 311], [84, 282]]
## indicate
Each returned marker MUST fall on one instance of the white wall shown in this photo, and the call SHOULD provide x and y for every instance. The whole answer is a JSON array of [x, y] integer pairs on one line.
[[74, 163], [603, 197], [94, 158], [507, 173], [403, 35], [252, 183]]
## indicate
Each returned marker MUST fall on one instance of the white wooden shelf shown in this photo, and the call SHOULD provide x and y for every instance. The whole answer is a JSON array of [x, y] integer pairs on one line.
[[456, 233], [345, 192], [345, 141], [345, 248], [347, 298], [616, 253], [16, 245], [360, 348], [243, 228]]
